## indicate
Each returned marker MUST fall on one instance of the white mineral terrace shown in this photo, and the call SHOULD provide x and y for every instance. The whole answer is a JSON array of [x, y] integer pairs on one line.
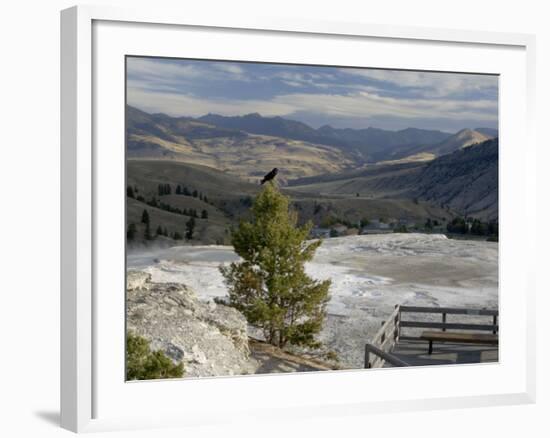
[[370, 274]]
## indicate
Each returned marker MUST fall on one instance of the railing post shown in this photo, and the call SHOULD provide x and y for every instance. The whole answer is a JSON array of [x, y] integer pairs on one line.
[[398, 322], [444, 320], [367, 356], [494, 324]]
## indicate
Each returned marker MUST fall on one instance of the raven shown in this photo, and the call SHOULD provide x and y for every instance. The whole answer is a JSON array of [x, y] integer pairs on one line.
[[270, 175]]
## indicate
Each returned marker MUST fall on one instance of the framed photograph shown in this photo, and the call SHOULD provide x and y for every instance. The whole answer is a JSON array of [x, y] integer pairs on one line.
[[319, 209]]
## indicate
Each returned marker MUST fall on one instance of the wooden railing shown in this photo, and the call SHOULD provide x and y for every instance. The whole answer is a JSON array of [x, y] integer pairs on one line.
[[383, 342], [378, 350], [444, 325], [382, 356]]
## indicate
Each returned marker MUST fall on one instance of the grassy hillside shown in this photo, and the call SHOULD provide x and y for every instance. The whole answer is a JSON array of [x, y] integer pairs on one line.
[[463, 182], [227, 199], [208, 231], [249, 156]]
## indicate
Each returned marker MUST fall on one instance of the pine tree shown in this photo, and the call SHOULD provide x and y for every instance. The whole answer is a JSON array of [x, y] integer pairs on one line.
[[195, 193], [147, 234], [159, 231], [178, 190], [204, 214], [270, 285], [190, 228], [145, 217], [131, 232], [129, 192]]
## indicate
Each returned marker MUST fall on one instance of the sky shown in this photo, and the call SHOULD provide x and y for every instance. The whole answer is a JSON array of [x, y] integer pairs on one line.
[[316, 95]]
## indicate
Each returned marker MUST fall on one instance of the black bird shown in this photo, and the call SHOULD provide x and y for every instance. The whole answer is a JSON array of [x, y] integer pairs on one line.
[[270, 175]]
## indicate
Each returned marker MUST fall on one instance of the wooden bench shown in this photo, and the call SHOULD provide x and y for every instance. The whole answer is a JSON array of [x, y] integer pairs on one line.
[[461, 338]]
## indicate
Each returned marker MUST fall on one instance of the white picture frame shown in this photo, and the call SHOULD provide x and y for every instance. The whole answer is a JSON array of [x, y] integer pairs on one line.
[[92, 41]]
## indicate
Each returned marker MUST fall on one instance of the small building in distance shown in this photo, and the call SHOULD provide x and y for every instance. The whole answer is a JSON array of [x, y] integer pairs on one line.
[[375, 226], [339, 229], [351, 232], [320, 233]]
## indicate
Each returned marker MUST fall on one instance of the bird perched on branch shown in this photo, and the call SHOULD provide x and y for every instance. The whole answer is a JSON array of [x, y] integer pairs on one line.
[[270, 175]]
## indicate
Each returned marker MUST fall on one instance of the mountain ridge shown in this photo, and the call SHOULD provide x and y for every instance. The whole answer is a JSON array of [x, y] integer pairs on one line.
[[364, 145]]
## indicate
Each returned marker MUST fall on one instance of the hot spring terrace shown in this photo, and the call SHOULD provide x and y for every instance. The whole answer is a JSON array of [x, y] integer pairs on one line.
[[416, 336]]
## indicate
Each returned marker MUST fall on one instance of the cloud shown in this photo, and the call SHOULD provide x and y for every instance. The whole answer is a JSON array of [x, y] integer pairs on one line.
[[367, 104], [349, 96], [358, 105], [430, 84], [166, 71], [177, 104]]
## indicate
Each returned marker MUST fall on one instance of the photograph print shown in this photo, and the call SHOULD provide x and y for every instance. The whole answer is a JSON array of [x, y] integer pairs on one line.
[[285, 218]]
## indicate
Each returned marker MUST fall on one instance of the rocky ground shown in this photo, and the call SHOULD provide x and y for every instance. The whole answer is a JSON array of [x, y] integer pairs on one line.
[[211, 339]]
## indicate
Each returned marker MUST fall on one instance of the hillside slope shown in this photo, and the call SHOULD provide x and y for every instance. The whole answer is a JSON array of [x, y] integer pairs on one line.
[[462, 139], [249, 156], [465, 181]]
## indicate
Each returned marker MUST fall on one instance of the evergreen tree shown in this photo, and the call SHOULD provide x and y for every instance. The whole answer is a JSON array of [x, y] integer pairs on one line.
[[190, 228], [165, 232], [428, 225], [186, 191], [204, 214], [145, 217], [177, 236], [159, 231], [178, 190], [195, 193], [131, 232], [147, 234], [205, 199], [270, 285], [129, 192]]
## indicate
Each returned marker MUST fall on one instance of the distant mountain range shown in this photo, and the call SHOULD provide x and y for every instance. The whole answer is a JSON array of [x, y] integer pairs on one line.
[[247, 155], [457, 172], [370, 144], [162, 136]]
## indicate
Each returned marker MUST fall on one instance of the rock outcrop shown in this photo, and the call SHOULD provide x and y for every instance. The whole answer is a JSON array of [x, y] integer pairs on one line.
[[211, 339]]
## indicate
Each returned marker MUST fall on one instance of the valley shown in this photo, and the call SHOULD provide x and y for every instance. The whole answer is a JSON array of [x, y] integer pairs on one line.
[[425, 177]]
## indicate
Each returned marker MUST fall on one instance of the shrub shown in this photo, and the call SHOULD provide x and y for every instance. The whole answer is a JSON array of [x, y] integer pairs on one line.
[[144, 364]]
